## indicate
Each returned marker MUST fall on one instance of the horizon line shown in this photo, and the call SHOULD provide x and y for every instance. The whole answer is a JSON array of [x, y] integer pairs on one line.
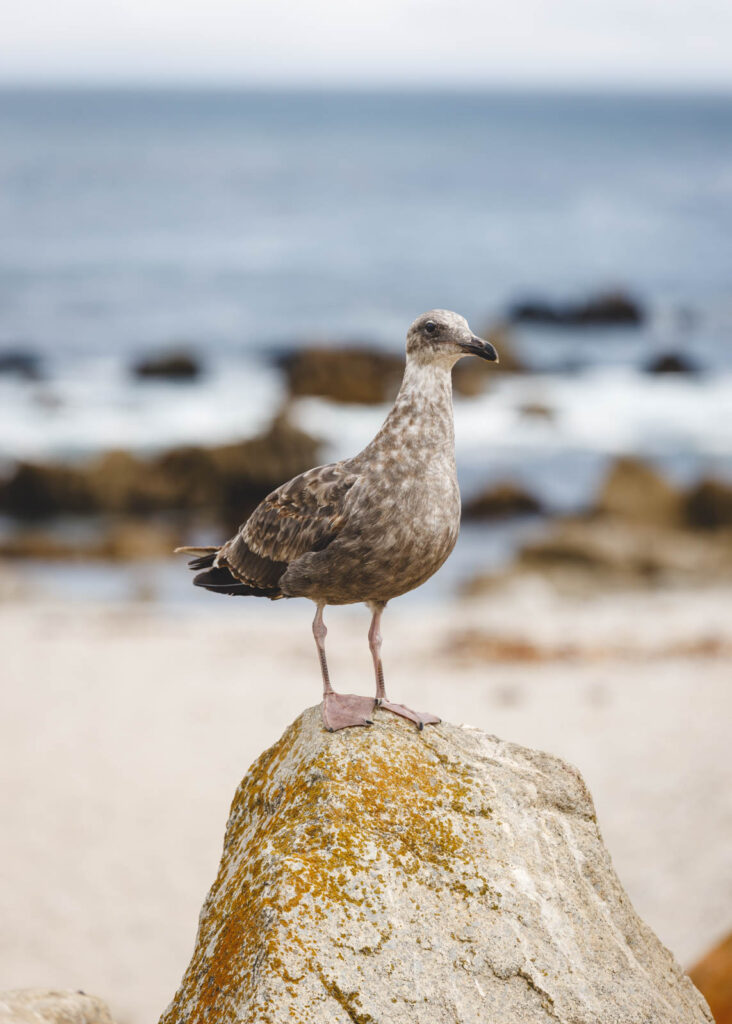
[[609, 87]]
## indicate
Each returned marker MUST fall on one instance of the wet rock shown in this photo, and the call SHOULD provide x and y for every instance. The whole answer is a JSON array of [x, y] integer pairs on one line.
[[126, 540], [537, 411], [51, 1006], [176, 364], [607, 309], [395, 877], [713, 977], [502, 501], [134, 540], [615, 553], [708, 505], [635, 491], [38, 545], [225, 480], [37, 490], [248, 471], [21, 362], [671, 362], [362, 375], [370, 376]]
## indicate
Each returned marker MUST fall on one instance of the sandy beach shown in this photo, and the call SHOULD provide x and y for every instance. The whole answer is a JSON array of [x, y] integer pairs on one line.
[[126, 728]]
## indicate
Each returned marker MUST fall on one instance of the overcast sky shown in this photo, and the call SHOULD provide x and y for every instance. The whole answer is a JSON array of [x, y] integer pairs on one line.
[[670, 43]]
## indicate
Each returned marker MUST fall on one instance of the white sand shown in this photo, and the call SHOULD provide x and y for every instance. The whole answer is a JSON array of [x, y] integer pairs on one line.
[[126, 729]]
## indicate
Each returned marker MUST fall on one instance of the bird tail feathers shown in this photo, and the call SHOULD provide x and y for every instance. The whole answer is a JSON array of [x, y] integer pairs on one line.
[[205, 556]]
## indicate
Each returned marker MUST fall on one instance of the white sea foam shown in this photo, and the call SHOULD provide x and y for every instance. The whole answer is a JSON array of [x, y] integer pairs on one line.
[[94, 405], [685, 423]]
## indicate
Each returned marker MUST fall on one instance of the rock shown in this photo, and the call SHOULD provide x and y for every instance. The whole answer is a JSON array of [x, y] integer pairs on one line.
[[370, 376], [36, 544], [537, 411], [713, 977], [388, 876], [708, 505], [635, 491], [51, 1006], [35, 490], [133, 540], [502, 501], [360, 375], [21, 362], [612, 553], [177, 364], [671, 362], [125, 540], [608, 309], [225, 480]]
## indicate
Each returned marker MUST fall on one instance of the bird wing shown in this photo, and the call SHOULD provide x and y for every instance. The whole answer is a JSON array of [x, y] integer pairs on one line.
[[305, 514]]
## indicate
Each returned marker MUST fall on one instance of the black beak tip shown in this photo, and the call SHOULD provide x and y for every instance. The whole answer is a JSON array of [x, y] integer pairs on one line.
[[484, 349]]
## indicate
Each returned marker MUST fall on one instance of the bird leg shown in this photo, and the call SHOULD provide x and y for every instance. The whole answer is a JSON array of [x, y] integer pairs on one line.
[[419, 718], [339, 710]]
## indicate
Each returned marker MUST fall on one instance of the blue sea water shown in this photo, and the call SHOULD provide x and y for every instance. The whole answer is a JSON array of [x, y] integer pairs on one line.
[[237, 219], [240, 222]]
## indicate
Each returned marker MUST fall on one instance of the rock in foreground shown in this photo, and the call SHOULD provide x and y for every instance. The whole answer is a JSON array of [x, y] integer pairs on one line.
[[51, 1006], [386, 876]]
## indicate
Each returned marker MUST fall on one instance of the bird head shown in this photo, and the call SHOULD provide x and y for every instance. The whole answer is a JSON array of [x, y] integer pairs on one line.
[[440, 336]]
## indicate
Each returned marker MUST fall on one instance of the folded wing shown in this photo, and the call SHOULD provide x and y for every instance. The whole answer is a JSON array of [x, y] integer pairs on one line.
[[305, 514]]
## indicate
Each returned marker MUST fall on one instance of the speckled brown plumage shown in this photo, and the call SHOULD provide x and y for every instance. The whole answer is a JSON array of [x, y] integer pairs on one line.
[[371, 527]]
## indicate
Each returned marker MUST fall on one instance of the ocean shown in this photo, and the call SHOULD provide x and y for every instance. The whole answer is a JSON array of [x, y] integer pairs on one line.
[[241, 224]]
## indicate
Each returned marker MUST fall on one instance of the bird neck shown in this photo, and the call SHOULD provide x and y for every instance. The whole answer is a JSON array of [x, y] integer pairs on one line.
[[422, 412]]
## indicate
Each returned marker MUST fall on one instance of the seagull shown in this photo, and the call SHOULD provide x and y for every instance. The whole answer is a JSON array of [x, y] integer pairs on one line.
[[366, 529]]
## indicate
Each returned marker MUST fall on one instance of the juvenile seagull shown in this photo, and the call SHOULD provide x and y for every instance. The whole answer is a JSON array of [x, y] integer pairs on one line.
[[366, 529]]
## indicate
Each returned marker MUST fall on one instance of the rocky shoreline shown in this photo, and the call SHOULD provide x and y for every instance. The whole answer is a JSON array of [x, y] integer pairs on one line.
[[121, 505]]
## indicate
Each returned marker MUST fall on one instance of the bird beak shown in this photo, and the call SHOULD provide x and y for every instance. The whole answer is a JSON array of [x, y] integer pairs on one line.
[[479, 347]]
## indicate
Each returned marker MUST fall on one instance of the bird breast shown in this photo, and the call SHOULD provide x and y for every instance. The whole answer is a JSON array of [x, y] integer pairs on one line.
[[401, 522]]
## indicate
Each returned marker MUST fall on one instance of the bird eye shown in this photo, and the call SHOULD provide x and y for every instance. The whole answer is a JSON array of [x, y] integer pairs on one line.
[[430, 327]]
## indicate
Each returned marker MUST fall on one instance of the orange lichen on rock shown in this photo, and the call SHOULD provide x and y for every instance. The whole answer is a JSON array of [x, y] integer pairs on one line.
[[383, 874]]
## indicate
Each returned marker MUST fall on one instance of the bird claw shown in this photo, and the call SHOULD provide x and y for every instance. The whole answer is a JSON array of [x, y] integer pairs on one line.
[[420, 718], [344, 710]]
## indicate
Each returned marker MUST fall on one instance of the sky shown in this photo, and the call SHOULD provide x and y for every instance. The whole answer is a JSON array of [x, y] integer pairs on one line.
[[674, 44]]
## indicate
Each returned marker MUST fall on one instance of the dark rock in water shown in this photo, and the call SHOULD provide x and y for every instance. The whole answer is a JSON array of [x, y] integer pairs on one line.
[[230, 479], [537, 411], [20, 362], [609, 309], [635, 491], [173, 365], [608, 552], [359, 375], [708, 505], [369, 376], [225, 480], [127, 540], [713, 977], [502, 501], [37, 490], [671, 362]]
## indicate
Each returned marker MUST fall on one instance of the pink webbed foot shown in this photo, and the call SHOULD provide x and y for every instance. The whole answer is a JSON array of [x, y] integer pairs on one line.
[[420, 718], [343, 710]]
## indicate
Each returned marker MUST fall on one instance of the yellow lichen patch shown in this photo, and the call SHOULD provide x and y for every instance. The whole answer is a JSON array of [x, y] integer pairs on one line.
[[303, 835]]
